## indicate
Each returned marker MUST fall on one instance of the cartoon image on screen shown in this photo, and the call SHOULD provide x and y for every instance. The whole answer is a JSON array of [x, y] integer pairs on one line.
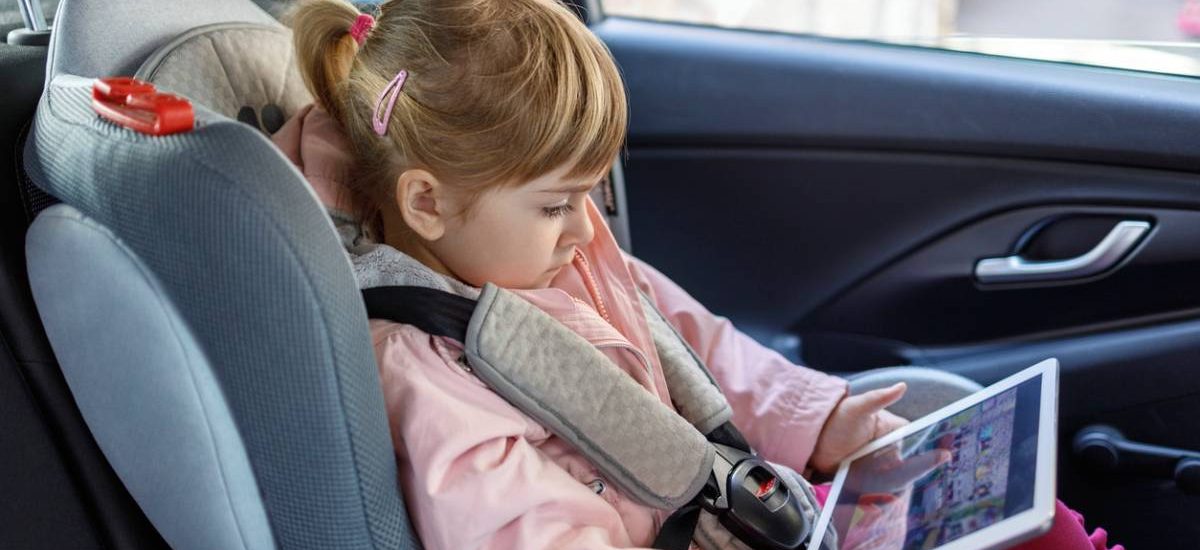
[[967, 493], [957, 476]]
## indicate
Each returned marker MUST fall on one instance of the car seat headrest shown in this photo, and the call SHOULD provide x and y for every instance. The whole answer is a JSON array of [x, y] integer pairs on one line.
[[93, 39], [244, 71]]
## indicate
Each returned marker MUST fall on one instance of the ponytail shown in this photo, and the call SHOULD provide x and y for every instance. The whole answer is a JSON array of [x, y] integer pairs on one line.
[[325, 50]]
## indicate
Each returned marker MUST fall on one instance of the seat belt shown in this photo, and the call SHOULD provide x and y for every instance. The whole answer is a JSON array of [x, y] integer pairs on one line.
[[736, 473], [433, 311]]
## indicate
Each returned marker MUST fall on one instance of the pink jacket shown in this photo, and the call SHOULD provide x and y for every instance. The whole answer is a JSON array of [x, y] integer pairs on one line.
[[478, 473]]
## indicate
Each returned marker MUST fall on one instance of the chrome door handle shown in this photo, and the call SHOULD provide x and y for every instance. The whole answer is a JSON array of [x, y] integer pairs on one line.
[[1110, 250]]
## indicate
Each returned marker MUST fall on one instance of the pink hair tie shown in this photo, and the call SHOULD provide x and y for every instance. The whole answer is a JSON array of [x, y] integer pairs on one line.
[[379, 118], [362, 25]]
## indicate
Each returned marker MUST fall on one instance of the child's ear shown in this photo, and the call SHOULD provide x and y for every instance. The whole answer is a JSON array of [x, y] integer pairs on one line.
[[422, 202]]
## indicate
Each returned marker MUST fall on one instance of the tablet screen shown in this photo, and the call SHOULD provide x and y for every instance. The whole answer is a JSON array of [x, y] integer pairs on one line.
[[944, 482]]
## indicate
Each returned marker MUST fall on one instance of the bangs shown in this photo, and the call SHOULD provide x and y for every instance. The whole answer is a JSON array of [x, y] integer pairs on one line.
[[568, 107]]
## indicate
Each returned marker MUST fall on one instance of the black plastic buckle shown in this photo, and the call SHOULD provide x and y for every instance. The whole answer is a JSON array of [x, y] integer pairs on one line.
[[754, 503]]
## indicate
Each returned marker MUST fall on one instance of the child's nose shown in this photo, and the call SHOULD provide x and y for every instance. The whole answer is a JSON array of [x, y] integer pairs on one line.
[[579, 230]]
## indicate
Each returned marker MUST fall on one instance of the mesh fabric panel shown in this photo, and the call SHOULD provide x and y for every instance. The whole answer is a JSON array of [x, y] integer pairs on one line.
[[244, 250]]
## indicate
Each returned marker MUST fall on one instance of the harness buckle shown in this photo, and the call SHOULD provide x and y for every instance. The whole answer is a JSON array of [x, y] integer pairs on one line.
[[752, 501]]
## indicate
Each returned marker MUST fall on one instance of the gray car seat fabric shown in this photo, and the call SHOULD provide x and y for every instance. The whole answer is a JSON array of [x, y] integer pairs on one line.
[[112, 38], [694, 390], [241, 70], [243, 251], [928, 389], [555, 376], [155, 408], [233, 242]]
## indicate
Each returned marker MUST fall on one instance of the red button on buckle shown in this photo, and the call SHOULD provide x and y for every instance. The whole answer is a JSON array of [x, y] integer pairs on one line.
[[766, 489], [140, 107]]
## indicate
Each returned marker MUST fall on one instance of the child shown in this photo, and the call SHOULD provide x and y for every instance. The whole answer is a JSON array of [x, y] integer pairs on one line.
[[455, 142]]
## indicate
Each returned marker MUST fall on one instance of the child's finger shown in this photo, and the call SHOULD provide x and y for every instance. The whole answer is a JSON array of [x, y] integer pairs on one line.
[[876, 400]]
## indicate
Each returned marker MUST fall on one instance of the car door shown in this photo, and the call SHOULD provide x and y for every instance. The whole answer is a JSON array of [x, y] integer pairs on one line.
[[835, 199]]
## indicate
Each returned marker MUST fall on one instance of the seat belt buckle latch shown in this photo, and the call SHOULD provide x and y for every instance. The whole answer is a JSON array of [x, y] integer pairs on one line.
[[754, 503]]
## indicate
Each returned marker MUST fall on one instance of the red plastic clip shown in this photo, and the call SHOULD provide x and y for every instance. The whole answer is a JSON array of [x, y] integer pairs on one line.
[[766, 489], [140, 107]]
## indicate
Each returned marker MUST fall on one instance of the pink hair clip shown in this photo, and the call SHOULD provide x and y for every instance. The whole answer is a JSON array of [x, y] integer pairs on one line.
[[362, 25], [379, 118]]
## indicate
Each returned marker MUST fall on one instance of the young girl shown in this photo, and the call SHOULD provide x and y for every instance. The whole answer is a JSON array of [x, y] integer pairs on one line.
[[455, 143]]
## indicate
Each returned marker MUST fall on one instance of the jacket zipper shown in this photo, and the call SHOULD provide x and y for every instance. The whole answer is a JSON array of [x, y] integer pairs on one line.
[[589, 281]]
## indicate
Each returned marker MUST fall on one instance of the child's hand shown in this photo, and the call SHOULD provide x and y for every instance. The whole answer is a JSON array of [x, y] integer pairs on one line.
[[856, 421]]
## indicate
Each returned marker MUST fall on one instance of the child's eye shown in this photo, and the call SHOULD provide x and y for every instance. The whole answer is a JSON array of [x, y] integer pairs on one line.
[[558, 211]]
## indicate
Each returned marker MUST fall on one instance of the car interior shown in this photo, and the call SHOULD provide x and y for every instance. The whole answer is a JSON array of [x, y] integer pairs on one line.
[[855, 206]]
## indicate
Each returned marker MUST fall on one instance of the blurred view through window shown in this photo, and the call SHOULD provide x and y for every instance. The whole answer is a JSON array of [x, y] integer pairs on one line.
[[1149, 35]]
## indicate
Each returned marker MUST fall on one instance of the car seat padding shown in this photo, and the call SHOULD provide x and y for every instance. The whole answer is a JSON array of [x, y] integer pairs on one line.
[[155, 408], [243, 71], [244, 251]]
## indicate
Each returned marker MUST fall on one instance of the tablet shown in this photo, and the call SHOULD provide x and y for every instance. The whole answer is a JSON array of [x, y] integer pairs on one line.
[[978, 473]]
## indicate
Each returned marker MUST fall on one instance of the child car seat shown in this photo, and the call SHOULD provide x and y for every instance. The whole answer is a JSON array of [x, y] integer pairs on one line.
[[196, 295]]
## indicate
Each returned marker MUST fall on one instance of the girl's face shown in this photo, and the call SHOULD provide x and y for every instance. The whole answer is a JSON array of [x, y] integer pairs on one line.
[[516, 237]]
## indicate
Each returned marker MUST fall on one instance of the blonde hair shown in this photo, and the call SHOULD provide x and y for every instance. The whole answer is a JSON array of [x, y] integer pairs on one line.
[[499, 92]]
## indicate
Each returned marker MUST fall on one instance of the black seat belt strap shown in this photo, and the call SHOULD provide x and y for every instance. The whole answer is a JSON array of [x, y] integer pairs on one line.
[[679, 528], [436, 312]]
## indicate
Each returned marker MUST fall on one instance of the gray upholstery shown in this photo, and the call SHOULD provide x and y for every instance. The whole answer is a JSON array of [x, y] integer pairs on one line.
[[556, 377], [237, 265], [113, 37], [155, 407], [240, 246], [693, 389], [928, 389], [233, 67]]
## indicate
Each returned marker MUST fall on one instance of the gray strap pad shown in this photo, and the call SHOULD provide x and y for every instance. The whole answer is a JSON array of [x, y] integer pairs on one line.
[[693, 388], [561, 380]]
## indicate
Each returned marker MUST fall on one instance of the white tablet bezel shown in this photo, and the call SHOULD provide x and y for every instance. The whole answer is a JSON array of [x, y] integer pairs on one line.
[[1028, 524]]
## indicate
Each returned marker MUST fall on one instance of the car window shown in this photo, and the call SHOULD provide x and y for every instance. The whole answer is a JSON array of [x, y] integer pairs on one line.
[[10, 13], [1147, 35]]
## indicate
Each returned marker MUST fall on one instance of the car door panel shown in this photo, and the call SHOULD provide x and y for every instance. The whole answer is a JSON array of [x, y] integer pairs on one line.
[[698, 85], [833, 198], [790, 223], [1154, 282]]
